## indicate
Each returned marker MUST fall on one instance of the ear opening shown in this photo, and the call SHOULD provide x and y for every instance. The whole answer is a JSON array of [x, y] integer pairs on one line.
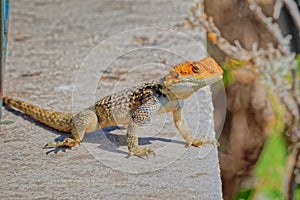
[[174, 74]]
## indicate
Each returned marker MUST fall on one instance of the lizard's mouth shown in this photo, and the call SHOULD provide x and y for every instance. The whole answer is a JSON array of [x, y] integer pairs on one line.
[[198, 83], [185, 88], [209, 81]]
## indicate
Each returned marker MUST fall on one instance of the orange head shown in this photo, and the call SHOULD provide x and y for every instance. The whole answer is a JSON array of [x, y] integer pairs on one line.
[[186, 78]]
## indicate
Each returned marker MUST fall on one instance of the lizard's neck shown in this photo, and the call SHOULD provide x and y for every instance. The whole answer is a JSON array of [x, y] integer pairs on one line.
[[178, 91]]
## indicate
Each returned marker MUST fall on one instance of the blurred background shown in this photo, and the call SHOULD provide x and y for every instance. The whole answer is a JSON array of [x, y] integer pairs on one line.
[[257, 42]]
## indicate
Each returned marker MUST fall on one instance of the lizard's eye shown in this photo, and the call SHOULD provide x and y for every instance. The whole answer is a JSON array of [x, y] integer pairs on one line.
[[196, 69]]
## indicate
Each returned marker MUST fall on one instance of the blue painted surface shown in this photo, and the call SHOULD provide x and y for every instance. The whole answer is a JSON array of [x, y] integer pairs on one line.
[[5, 4], [4, 24]]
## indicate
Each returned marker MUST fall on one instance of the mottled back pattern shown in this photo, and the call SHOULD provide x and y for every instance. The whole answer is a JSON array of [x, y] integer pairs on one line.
[[117, 108]]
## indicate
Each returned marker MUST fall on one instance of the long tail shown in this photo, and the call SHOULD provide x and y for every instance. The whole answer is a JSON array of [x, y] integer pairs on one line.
[[57, 120]]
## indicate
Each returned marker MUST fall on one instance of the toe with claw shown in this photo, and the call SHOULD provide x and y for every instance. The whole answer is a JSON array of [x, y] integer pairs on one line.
[[67, 142], [141, 152], [205, 140]]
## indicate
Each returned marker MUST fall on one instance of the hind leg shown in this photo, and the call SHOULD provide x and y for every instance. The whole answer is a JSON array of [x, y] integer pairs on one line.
[[83, 122]]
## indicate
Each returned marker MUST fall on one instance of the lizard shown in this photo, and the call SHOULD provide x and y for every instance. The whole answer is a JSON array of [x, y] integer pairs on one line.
[[132, 107]]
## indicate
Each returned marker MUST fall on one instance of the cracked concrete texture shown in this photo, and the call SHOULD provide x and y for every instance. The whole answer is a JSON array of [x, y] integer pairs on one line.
[[51, 45]]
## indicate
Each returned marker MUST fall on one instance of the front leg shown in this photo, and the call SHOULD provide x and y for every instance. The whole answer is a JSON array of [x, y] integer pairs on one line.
[[132, 142], [186, 131], [141, 116]]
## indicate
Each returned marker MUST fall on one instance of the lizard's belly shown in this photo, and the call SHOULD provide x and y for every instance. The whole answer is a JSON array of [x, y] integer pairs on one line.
[[114, 118]]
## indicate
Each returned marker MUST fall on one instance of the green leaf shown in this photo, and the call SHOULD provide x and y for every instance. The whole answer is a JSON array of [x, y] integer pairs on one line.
[[297, 192], [272, 160], [244, 194], [228, 77], [270, 168]]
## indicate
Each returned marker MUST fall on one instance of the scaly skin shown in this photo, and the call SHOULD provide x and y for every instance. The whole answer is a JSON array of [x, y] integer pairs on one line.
[[133, 107]]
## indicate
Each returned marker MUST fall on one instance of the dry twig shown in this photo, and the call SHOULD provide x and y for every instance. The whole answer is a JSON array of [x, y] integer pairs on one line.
[[294, 12], [272, 27]]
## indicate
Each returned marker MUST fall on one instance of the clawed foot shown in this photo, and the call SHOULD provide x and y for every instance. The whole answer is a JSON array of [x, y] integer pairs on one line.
[[205, 140], [141, 152], [67, 142]]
